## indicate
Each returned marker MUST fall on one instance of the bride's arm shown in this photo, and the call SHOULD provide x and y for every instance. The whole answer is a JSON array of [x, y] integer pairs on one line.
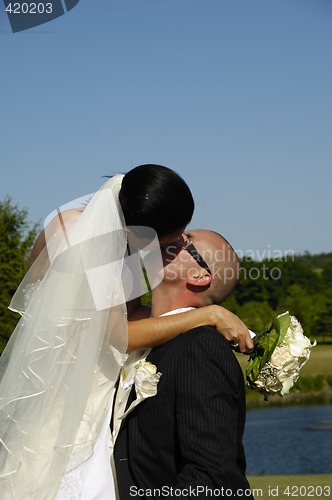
[[150, 332]]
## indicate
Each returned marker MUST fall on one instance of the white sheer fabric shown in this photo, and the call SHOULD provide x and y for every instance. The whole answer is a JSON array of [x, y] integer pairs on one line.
[[59, 368], [93, 479]]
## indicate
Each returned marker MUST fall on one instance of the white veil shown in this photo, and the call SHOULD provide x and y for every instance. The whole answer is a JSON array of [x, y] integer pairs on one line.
[[60, 365]]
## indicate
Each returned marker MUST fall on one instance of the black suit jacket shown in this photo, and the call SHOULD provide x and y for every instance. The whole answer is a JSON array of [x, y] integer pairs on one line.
[[190, 434]]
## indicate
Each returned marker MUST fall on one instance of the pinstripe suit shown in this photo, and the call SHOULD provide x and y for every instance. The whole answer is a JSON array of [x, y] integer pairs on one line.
[[190, 433]]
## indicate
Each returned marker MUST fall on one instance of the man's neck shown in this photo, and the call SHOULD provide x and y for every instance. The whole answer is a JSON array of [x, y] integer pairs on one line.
[[165, 299]]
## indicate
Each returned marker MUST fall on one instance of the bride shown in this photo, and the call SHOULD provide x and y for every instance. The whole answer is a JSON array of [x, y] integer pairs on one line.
[[60, 366]]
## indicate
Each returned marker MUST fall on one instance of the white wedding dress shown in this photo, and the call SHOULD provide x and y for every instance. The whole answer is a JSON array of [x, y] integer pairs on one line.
[[92, 480], [58, 371]]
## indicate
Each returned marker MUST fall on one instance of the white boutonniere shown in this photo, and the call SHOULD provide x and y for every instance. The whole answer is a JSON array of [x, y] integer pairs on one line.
[[145, 378]]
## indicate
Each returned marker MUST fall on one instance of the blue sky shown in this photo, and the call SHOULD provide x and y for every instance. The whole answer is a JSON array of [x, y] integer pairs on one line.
[[233, 94]]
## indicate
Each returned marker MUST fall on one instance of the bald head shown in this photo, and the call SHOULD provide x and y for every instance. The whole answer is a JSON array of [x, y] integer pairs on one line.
[[187, 281]]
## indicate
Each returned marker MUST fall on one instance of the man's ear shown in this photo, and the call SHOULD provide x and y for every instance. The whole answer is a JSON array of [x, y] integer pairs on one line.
[[200, 279]]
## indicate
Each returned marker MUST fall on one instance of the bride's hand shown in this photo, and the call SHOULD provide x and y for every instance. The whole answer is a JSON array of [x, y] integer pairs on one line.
[[233, 329]]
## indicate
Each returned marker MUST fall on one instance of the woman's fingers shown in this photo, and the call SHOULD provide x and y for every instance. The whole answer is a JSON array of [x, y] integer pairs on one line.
[[235, 331], [241, 342], [245, 343]]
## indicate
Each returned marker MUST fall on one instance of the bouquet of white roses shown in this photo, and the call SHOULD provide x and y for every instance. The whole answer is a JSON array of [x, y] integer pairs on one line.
[[280, 352]]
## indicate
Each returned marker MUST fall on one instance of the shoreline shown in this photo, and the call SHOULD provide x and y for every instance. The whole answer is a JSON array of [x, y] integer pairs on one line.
[[256, 400]]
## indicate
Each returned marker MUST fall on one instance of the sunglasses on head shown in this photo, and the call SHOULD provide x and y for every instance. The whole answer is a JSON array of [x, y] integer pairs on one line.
[[188, 245]]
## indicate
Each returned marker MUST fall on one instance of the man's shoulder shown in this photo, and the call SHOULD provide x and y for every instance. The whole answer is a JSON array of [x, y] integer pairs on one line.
[[208, 339], [204, 334], [202, 351], [205, 338]]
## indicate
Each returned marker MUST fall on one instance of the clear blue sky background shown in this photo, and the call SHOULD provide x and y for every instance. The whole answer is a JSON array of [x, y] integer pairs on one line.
[[233, 94]]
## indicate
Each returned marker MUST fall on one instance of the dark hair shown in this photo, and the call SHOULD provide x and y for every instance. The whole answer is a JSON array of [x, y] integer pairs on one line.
[[157, 197]]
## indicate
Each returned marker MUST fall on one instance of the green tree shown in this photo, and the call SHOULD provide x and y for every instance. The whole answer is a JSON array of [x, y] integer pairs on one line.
[[304, 306], [17, 235], [327, 273], [252, 285], [323, 323], [255, 315]]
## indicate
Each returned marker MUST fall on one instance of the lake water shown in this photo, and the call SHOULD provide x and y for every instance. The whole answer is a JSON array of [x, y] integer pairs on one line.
[[289, 440]]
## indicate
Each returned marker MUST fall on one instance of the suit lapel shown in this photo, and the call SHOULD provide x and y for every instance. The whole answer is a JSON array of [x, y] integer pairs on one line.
[[125, 398]]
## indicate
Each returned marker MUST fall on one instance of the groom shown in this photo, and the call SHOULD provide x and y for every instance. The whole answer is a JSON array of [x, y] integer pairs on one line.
[[186, 440]]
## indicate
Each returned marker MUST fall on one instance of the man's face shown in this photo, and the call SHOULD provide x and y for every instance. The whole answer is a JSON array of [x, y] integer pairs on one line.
[[178, 263], [163, 261]]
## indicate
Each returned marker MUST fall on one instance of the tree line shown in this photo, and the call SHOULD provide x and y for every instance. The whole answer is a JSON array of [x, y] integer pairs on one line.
[[17, 235], [300, 284]]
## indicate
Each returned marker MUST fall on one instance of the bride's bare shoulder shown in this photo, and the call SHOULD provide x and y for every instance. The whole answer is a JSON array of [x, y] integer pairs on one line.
[[72, 214], [65, 218]]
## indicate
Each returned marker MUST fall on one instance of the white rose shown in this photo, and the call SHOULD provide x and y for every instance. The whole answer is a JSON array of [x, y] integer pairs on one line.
[[280, 356], [149, 368], [288, 384], [146, 379], [298, 343]]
